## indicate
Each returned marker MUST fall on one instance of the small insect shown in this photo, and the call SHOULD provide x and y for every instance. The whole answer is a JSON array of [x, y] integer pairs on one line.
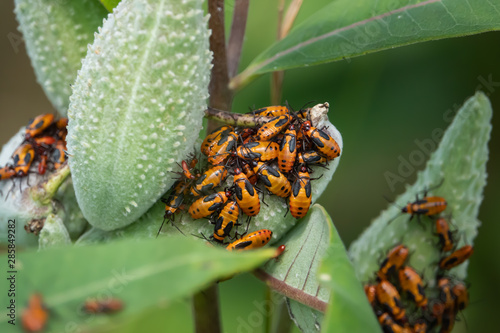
[[279, 251], [272, 111], [461, 295], [456, 258], [394, 260], [246, 195], [213, 137], [273, 179], [258, 150], [38, 124], [209, 204], [388, 296], [311, 157], [58, 155], [420, 326], [221, 150], [389, 325], [23, 157], [272, 128], [300, 198], [326, 145], [288, 150], [7, 172], [251, 241], [94, 306], [44, 141], [248, 171], [371, 293], [209, 180], [186, 171], [411, 283], [35, 316], [173, 202], [227, 218], [445, 293], [448, 321], [445, 235]]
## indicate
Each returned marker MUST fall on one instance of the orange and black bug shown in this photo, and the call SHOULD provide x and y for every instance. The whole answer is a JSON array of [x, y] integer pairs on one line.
[[273, 179], [311, 157], [394, 260], [288, 150], [279, 251], [208, 204], [246, 195], [38, 124], [248, 171], [389, 325], [445, 235], [445, 293], [7, 172], [461, 295], [448, 321], [58, 155], [209, 180], [420, 326], [253, 240], [213, 137], [456, 258], [35, 316], [411, 283], [258, 150], [388, 296], [326, 145], [174, 202], [186, 171], [427, 206], [371, 293], [273, 127], [94, 306], [271, 111], [226, 220], [22, 158], [221, 150], [44, 141], [300, 198]]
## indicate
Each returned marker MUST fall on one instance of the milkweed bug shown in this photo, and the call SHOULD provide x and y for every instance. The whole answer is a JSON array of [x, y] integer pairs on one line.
[[389, 325], [448, 321], [273, 179], [258, 150], [35, 316], [370, 291], [311, 158], [248, 171], [411, 283], [279, 251], [420, 326], [22, 158], [58, 155], [456, 258], [445, 235], [209, 204], [271, 111], [272, 128], [38, 124], [94, 306], [461, 296], [388, 296], [7, 172], [227, 218], [445, 293], [173, 202], [213, 137], [326, 145], [221, 150], [394, 260], [209, 180], [246, 195], [300, 198], [186, 170], [288, 150], [251, 241]]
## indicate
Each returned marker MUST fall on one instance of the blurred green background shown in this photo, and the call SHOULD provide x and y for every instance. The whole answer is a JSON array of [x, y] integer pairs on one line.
[[381, 103]]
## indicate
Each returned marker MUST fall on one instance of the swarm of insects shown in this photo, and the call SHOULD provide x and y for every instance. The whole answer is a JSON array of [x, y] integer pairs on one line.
[[273, 157], [398, 295], [44, 146]]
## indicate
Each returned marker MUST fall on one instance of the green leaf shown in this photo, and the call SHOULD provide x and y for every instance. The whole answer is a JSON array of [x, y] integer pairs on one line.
[[54, 233], [141, 273], [349, 310], [56, 34], [272, 216], [137, 107], [460, 160], [307, 319], [109, 4], [349, 28]]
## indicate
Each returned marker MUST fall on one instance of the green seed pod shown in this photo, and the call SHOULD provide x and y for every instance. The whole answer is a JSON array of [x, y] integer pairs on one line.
[[57, 33], [137, 107]]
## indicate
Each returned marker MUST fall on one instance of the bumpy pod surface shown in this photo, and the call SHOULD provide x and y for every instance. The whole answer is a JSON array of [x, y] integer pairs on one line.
[[56, 33], [137, 107]]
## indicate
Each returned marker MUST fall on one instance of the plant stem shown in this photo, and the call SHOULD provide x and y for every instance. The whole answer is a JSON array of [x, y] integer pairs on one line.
[[237, 119], [206, 310], [237, 35], [220, 95]]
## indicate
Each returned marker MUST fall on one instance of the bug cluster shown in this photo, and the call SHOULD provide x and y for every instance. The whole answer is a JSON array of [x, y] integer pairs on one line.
[[274, 157], [44, 144], [400, 298]]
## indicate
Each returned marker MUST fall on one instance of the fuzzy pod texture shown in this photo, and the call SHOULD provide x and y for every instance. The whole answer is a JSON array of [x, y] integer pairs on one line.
[[56, 33], [459, 162], [137, 107], [271, 216]]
